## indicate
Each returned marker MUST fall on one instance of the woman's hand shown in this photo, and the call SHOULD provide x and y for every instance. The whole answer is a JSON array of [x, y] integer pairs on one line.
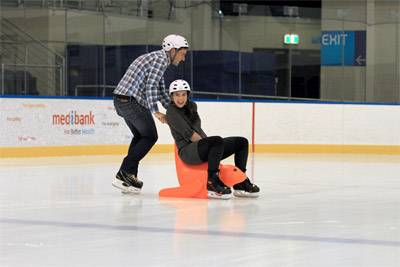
[[195, 137]]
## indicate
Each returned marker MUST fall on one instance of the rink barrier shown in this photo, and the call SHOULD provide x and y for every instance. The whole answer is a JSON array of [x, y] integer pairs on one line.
[[57, 126], [58, 151], [312, 148]]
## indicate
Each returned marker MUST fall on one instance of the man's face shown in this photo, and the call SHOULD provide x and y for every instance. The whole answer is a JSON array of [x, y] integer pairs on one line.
[[178, 55]]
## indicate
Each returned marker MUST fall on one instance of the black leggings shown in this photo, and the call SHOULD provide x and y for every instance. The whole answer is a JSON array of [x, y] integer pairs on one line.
[[213, 149]]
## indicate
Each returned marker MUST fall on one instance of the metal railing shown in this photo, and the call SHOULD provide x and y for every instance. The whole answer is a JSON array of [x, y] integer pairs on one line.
[[17, 79], [95, 91], [22, 52], [141, 8], [101, 91], [252, 96]]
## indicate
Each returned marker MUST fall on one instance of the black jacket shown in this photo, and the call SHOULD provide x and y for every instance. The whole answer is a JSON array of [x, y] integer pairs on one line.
[[182, 129]]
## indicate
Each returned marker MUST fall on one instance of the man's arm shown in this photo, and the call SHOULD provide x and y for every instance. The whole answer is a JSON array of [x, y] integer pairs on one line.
[[152, 94], [165, 98]]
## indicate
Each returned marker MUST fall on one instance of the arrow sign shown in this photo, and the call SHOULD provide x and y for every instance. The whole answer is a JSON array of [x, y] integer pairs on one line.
[[360, 61]]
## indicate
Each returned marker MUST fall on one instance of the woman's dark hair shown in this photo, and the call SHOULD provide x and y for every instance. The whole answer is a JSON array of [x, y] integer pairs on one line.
[[190, 111]]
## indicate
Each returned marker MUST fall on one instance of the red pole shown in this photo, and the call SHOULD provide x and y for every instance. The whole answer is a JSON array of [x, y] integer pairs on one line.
[[253, 126]]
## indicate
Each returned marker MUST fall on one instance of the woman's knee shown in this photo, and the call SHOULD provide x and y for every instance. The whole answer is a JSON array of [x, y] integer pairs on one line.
[[216, 140], [243, 142]]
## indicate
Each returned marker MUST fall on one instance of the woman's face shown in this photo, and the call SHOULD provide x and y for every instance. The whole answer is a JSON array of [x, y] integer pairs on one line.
[[180, 98]]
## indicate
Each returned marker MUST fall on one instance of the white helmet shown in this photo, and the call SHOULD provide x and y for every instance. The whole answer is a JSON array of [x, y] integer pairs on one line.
[[174, 41], [179, 85]]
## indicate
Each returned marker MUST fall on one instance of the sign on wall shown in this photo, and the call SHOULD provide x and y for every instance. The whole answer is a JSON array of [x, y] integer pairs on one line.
[[58, 122], [343, 48]]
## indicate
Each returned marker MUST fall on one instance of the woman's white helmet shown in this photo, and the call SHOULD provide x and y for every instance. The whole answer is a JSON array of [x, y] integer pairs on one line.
[[174, 41], [179, 85]]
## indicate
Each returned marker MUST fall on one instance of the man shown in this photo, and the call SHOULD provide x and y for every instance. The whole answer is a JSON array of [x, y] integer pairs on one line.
[[135, 100]]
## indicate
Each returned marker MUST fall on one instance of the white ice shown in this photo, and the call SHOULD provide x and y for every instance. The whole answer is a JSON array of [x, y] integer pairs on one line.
[[314, 210]]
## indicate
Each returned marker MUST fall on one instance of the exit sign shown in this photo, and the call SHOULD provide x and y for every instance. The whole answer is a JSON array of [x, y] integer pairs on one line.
[[291, 39], [343, 48]]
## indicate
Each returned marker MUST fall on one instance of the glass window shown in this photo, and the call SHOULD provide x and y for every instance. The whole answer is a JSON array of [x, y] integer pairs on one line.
[[318, 50]]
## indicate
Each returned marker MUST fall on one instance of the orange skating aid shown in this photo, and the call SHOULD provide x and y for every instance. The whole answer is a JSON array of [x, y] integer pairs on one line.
[[193, 179]]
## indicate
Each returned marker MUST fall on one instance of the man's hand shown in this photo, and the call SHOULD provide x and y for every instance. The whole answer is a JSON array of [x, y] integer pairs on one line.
[[160, 116]]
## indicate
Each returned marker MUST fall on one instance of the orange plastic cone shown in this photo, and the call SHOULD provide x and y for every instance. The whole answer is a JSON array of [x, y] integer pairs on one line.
[[193, 179]]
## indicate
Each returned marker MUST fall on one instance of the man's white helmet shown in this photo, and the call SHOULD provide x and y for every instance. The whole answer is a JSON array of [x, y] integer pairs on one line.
[[179, 85], [174, 41]]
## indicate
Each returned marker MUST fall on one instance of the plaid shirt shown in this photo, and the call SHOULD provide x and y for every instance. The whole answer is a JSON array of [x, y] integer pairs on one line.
[[145, 82]]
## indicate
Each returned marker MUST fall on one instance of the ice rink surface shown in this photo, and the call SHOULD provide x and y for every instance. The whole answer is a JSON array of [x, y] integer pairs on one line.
[[314, 210]]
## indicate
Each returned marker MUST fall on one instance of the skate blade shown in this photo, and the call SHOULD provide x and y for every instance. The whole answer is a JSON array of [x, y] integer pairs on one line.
[[215, 195], [134, 191], [125, 189], [242, 193]]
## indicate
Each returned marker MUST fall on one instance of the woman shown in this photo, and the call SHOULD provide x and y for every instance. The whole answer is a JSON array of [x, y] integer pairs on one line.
[[195, 147]]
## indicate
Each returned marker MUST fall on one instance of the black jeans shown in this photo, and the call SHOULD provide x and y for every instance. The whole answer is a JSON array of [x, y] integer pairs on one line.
[[141, 123], [215, 148]]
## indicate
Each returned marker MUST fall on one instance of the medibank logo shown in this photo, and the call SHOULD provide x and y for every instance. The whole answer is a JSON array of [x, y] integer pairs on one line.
[[74, 118]]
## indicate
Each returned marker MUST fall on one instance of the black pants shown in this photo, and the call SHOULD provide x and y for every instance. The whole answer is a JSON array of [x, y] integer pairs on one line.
[[141, 123], [215, 148]]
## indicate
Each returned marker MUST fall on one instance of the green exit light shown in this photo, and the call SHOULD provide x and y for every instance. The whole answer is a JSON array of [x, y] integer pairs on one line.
[[291, 39]]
